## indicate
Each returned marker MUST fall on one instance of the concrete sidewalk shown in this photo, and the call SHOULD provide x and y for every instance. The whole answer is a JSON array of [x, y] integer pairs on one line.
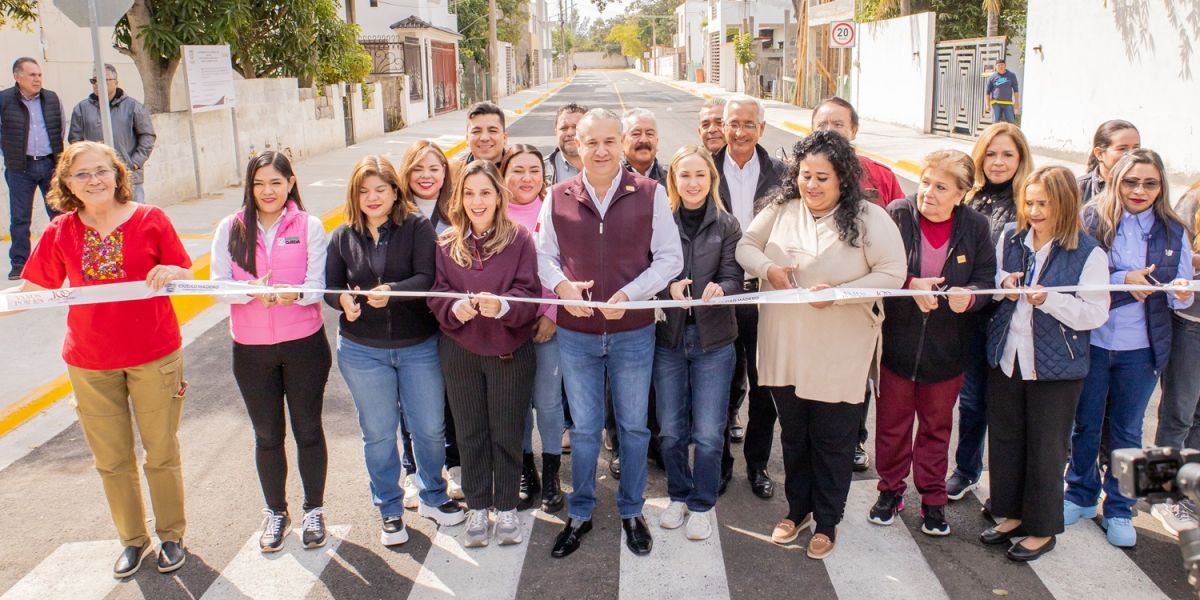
[[32, 374], [899, 147]]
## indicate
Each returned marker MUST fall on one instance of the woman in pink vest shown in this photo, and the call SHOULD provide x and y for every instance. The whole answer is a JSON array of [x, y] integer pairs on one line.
[[280, 353]]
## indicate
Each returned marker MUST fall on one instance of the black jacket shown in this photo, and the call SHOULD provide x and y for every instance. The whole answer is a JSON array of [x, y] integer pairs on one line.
[[996, 203], [14, 119], [708, 257], [771, 172], [932, 347], [656, 172], [409, 266]]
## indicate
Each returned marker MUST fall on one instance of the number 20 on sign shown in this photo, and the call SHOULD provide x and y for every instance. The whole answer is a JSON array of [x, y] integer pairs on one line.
[[843, 34]]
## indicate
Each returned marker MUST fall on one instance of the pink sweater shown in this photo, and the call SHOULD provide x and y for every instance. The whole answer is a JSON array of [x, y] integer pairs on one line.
[[527, 215]]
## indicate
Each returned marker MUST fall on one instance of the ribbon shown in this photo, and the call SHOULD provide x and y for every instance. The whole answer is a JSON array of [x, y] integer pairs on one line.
[[137, 290]]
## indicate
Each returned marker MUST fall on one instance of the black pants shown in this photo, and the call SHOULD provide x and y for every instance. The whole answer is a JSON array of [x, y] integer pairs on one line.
[[294, 372], [489, 397], [1029, 434], [818, 440], [760, 426], [452, 458]]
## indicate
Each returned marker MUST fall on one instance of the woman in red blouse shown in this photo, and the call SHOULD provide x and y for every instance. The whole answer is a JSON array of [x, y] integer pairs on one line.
[[123, 358]]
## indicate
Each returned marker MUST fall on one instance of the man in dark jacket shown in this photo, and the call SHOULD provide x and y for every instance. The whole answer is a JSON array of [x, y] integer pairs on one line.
[[32, 124], [564, 162], [749, 178], [133, 133], [640, 144]]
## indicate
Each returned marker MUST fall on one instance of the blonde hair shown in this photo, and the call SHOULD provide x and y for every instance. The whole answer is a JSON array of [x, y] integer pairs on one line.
[[414, 155], [378, 166], [457, 238], [979, 153], [62, 199], [1062, 193], [954, 163], [1110, 204], [714, 176]]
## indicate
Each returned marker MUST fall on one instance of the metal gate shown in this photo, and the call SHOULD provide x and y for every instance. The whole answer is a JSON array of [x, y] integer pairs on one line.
[[445, 78], [959, 83]]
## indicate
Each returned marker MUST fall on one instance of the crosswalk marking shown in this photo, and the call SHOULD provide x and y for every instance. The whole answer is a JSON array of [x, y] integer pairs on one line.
[[289, 573], [677, 567], [877, 562], [452, 571], [1083, 565], [89, 565]]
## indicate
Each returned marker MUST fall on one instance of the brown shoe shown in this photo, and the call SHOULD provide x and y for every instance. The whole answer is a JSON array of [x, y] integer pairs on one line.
[[820, 546], [566, 441], [786, 531]]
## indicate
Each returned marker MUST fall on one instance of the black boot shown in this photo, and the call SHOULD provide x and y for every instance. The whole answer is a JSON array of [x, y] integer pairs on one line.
[[530, 486], [552, 496]]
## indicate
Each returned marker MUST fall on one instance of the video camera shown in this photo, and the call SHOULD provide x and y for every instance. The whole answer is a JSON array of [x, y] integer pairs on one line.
[[1158, 475]]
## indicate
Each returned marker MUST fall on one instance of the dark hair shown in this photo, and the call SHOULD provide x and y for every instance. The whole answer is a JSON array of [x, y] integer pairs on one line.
[[1001, 61], [1103, 138], [569, 107], [486, 108], [243, 235], [20, 62], [838, 151], [842, 103], [516, 150]]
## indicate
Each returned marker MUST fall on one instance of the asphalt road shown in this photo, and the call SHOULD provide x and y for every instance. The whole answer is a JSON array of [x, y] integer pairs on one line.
[[62, 542]]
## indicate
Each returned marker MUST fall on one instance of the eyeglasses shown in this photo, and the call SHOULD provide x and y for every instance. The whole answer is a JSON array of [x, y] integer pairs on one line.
[[735, 126], [93, 80], [1149, 185], [86, 177]]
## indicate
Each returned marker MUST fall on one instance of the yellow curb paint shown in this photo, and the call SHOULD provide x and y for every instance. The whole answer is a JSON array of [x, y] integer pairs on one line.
[[186, 308]]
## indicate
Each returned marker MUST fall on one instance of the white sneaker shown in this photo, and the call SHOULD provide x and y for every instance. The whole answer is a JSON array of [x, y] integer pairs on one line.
[[454, 483], [699, 526], [476, 533], [672, 517], [412, 494], [1174, 517], [508, 527]]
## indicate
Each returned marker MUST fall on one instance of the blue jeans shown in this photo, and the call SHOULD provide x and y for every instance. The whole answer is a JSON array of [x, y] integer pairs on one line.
[[972, 410], [1178, 417], [1003, 112], [22, 185], [139, 194], [386, 383], [547, 399], [628, 358], [691, 387], [1128, 379]]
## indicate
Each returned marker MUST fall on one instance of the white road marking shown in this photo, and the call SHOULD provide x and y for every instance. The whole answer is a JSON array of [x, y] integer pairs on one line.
[[870, 561], [677, 567], [78, 570], [1083, 565], [290, 573], [489, 573]]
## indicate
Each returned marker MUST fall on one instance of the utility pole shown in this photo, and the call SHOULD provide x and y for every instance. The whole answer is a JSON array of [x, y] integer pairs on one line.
[[493, 53], [562, 30], [654, 46]]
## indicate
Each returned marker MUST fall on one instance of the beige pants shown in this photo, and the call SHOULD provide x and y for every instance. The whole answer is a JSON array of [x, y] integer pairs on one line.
[[103, 401]]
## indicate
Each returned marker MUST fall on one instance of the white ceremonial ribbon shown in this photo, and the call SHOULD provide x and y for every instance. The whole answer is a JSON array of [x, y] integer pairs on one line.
[[138, 290]]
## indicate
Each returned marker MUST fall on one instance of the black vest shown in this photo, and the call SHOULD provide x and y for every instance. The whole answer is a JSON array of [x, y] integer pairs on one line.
[[14, 126]]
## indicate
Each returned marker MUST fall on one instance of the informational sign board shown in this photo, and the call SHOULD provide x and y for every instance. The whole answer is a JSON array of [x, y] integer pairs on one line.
[[843, 34], [209, 74], [108, 12]]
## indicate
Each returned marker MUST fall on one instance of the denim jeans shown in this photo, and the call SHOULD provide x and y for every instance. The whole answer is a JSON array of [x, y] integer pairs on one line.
[[139, 194], [1178, 417], [1003, 113], [22, 185], [628, 358], [691, 386], [972, 410], [547, 399], [386, 383], [1126, 379]]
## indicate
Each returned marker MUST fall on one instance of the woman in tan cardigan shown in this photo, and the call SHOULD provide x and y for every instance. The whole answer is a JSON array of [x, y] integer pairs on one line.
[[816, 358]]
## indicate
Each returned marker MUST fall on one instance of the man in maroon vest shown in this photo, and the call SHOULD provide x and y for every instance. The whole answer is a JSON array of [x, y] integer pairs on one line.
[[608, 233]]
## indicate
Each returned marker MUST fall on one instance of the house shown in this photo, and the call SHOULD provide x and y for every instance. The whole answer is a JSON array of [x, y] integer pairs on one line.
[[541, 42], [766, 20], [690, 23]]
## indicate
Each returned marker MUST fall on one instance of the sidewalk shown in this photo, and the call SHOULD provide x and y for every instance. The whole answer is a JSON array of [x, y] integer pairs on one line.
[[32, 374], [899, 147]]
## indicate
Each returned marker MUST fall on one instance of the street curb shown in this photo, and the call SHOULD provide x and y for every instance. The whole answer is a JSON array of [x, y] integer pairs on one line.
[[186, 308]]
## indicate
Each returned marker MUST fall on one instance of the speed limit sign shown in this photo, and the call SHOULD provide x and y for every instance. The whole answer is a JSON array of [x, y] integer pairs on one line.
[[843, 34]]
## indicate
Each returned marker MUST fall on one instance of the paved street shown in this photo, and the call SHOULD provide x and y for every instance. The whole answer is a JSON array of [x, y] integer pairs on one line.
[[62, 542]]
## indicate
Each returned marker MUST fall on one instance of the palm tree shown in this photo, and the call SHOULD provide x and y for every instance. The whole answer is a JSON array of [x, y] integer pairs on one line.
[[993, 16], [885, 6]]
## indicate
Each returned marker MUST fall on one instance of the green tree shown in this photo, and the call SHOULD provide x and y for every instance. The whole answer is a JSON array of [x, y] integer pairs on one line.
[[957, 19], [473, 25], [17, 12]]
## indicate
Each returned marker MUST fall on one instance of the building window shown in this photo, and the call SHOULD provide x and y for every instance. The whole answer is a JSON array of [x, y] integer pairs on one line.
[[373, 3], [412, 68]]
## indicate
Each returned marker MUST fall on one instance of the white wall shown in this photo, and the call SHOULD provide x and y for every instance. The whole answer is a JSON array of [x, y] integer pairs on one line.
[[1138, 61], [65, 53], [368, 122], [597, 60], [377, 20], [893, 71]]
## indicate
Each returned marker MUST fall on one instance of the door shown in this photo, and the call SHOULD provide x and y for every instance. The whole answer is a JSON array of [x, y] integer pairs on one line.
[[959, 82], [445, 78]]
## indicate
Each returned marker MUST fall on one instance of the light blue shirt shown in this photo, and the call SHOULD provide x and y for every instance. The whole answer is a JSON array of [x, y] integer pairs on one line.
[[1126, 325]]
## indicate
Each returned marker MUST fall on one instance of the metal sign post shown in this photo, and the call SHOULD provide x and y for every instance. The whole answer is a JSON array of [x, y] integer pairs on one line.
[[95, 14], [101, 77]]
